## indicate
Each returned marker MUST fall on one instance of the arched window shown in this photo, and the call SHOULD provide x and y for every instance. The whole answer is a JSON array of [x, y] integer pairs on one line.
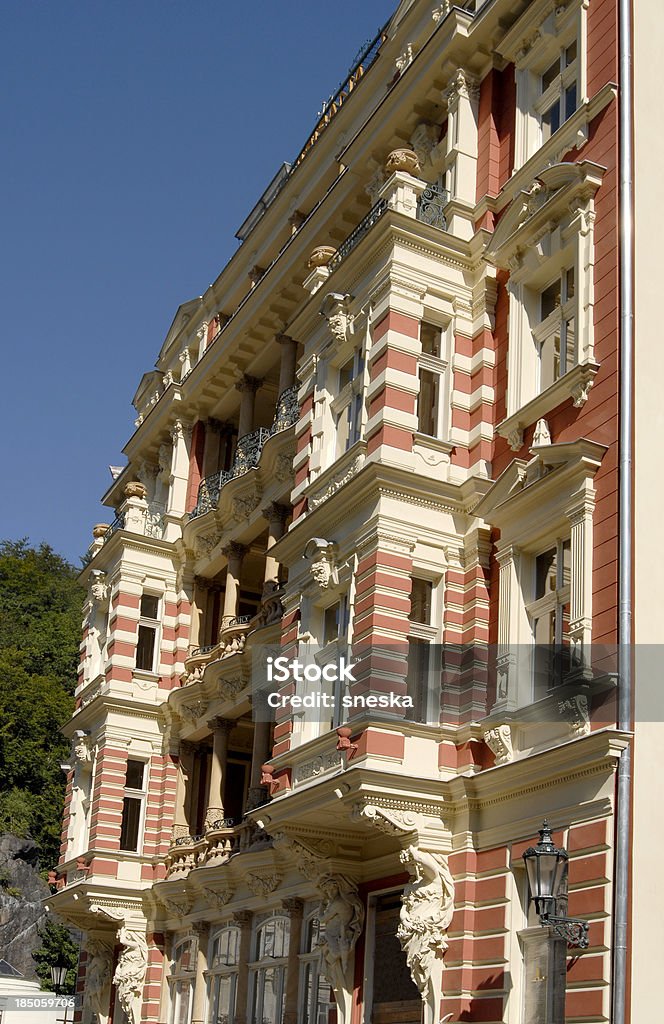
[[182, 980], [315, 993], [222, 975], [268, 971]]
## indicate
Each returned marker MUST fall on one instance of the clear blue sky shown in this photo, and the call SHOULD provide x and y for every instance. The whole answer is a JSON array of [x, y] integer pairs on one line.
[[137, 135]]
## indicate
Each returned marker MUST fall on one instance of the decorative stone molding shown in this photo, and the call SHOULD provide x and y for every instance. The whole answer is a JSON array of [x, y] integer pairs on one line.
[[218, 897], [426, 913], [499, 740], [515, 439], [403, 160], [461, 85], [230, 686], [404, 59], [247, 383], [99, 588], [99, 530], [135, 489], [176, 907], [206, 544], [293, 907], [307, 855], [317, 498], [424, 141], [82, 748], [576, 711], [335, 310], [262, 885], [130, 972], [441, 11], [316, 766], [242, 508], [283, 468], [320, 256], [192, 712], [542, 435], [321, 555], [388, 820]]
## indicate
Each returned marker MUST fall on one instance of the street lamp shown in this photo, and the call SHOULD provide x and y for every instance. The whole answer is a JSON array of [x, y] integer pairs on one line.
[[544, 866], [58, 976]]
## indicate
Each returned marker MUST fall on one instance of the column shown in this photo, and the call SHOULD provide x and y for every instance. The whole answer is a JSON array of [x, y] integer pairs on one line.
[[234, 555], [198, 1014], [221, 730], [185, 768], [181, 435], [580, 516], [247, 386], [288, 361], [276, 516], [243, 918], [294, 908], [462, 96], [260, 749], [507, 696]]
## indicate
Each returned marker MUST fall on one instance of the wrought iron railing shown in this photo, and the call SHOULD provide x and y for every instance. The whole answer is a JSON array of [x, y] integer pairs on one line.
[[208, 492], [362, 229], [248, 450], [287, 411], [431, 205], [117, 524], [201, 650]]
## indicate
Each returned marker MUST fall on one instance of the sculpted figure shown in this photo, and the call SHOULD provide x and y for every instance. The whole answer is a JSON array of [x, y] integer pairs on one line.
[[426, 912], [342, 917], [130, 973], [98, 979]]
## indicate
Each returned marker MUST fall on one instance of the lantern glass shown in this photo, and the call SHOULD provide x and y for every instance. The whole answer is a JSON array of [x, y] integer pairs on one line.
[[544, 866], [58, 976]]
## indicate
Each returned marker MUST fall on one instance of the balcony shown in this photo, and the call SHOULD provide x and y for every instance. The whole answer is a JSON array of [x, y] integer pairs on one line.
[[247, 453], [223, 840]]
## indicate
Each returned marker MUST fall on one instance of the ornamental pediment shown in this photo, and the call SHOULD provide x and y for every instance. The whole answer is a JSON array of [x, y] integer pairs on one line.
[[557, 192]]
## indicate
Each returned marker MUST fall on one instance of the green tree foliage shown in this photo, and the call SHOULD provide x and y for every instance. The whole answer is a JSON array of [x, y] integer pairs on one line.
[[40, 619], [57, 947]]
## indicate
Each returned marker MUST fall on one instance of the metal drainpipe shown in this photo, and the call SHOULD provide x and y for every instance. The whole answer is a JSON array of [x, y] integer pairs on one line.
[[625, 680]]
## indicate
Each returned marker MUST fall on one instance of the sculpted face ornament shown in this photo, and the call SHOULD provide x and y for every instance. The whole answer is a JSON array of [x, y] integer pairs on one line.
[[321, 555]]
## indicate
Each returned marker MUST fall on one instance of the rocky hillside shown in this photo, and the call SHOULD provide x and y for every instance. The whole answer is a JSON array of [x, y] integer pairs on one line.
[[21, 908]]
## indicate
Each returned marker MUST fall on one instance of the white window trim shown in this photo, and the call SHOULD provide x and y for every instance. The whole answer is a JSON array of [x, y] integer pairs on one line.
[[175, 976], [548, 227], [532, 44], [533, 505], [256, 966], [432, 633], [224, 970], [155, 624], [440, 366]]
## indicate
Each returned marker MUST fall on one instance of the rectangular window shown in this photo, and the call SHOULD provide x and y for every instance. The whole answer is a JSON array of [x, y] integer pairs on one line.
[[431, 372], [421, 664], [148, 630], [555, 334], [133, 805], [349, 403], [548, 614], [557, 91]]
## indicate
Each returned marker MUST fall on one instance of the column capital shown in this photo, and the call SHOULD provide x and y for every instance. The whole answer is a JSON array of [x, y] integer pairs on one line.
[[235, 550], [294, 907], [222, 724], [247, 383], [188, 748], [275, 513], [201, 928], [243, 917], [284, 339]]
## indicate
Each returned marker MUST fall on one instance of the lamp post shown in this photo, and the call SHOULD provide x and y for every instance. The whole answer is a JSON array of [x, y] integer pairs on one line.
[[544, 866], [59, 979]]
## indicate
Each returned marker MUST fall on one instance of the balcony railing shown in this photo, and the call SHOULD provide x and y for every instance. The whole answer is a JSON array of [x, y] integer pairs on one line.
[[247, 452], [431, 205], [287, 411], [356, 236], [117, 524]]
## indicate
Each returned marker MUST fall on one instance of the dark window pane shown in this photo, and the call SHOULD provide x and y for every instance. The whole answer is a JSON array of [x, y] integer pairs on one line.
[[145, 648], [430, 338], [135, 773], [131, 820], [149, 606], [570, 100], [550, 299], [550, 121], [570, 54], [346, 374], [427, 403], [550, 74], [546, 566], [420, 601]]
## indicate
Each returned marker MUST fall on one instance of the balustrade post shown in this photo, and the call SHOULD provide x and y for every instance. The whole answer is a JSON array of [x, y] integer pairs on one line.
[[288, 361], [294, 908], [243, 918], [247, 386], [234, 555], [221, 730]]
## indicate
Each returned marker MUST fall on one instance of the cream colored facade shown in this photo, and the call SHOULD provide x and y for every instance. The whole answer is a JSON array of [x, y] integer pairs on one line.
[[388, 432]]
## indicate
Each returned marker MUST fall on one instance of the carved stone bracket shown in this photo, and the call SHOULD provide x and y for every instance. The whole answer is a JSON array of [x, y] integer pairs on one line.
[[576, 711], [499, 740], [262, 885]]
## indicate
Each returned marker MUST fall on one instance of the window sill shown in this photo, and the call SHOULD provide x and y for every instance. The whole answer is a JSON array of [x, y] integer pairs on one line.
[[141, 675], [575, 385]]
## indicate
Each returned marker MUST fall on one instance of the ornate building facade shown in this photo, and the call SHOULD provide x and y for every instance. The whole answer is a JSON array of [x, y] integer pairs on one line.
[[390, 432]]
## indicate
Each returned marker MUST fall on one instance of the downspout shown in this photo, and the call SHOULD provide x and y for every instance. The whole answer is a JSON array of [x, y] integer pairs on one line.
[[625, 484]]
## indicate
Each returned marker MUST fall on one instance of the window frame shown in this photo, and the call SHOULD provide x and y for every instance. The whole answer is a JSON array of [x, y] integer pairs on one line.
[[350, 401], [438, 367], [227, 970], [141, 796], [178, 977], [427, 633], [311, 958], [257, 968], [154, 624]]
